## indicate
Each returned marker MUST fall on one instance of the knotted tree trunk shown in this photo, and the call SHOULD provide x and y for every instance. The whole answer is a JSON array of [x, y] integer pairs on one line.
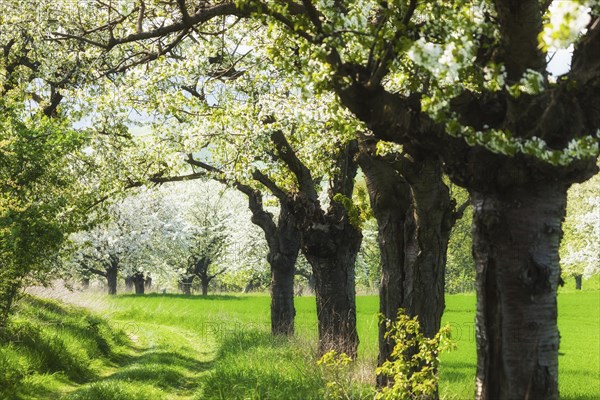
[[414, 222]]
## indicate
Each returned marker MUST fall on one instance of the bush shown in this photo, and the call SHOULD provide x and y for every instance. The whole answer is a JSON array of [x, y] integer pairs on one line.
[[415, 362]]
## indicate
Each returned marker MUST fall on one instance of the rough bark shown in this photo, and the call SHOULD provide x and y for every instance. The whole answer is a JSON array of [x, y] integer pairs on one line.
[[331, 251], [433, 212], [330, 243], [516, 238], [578, 281], [282, 297], [414, 222], [391, 201]]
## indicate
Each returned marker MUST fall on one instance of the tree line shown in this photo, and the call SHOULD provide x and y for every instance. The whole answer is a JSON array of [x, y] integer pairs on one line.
[[290, 98]]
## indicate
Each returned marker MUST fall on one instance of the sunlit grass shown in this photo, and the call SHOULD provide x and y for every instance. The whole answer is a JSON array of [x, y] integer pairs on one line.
[[219, 347]]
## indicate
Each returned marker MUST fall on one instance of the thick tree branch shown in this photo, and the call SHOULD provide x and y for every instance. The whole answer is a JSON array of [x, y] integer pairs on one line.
[[286, 153], [269, 184], [520, 24]]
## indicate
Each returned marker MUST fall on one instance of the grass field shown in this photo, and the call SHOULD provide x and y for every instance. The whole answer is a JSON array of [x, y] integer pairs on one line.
[[177, 347]]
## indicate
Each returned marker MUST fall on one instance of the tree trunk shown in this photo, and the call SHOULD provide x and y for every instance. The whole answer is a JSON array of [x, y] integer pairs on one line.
[[138, 283], [390, 197], [148, 283], [10, 283], [185, 284], [111, 280], [129, 284], [282, 296], [284, 246], [578, 281], [427, 245], [413, 257], [331, 250], [204, 284], [516, 238]]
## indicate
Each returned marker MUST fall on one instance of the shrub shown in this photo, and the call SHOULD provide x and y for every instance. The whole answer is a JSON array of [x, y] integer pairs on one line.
[[414, 363]]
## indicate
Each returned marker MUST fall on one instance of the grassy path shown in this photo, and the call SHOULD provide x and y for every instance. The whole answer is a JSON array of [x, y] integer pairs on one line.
[[164, 362]]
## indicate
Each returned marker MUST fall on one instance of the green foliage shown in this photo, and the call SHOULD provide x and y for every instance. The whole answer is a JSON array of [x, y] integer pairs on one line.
[[580, 246], [182, 341], [112, 390], [358, 207], [38, 195], [336, 370], [460, 266], [414, 372]]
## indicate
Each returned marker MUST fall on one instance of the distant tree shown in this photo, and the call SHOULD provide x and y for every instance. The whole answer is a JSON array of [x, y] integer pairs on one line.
[[205, 246], [460, 266], [580, 247], [129, 241]]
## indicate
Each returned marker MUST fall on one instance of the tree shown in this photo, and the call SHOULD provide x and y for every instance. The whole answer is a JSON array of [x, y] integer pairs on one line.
[[512, 142], [130, 240], [41, 199], [579, 247], [38, 205], [205, 243], [283, 241]]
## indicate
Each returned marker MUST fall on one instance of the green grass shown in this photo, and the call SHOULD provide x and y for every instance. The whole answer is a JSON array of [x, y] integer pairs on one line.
[[49, 347], [219, 347]]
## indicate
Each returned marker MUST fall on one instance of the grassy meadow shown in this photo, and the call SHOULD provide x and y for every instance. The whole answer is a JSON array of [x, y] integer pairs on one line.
[[177, 347]]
